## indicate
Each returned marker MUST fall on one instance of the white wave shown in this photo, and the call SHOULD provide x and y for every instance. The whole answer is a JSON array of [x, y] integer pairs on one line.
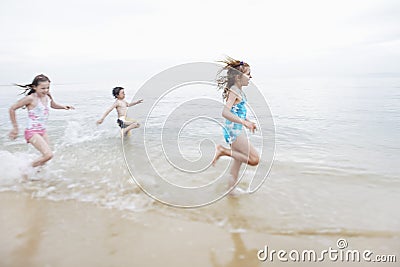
[[13, 165]]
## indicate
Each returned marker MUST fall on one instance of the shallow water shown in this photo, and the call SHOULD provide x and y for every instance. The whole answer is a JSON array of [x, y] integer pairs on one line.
[[335, 168]]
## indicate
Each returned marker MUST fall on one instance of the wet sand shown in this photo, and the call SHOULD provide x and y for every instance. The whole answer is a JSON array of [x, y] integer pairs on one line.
[[39, 232]]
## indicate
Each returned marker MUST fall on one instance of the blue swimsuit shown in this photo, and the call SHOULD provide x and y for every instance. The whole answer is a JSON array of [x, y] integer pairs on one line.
[[231, 129]]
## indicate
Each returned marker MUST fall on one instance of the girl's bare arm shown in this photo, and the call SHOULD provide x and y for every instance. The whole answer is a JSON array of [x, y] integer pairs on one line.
[[227, 114], [21, 103], [55, 105]]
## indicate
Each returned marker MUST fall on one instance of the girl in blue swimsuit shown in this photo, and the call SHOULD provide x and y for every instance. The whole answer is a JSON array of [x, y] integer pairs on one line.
[[231, 129], [235, 113]]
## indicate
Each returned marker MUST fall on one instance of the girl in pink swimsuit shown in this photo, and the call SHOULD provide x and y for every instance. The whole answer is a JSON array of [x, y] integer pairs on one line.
[[38, 102], [37, 119]]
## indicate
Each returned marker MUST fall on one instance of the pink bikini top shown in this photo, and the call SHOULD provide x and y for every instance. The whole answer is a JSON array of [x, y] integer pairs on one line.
[[37, 117]]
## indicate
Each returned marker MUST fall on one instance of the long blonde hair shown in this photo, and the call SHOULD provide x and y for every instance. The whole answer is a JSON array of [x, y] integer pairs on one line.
[[234, 68]]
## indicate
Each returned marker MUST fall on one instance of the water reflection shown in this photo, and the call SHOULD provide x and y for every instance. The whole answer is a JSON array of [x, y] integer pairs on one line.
[[242, 255], [31, 237]]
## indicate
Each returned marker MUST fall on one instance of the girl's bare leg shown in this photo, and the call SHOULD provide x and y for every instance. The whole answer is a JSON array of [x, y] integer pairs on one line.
[[241, 150], [242, 145], [234, 172], [41, 143], [46, 138], [223, 151]]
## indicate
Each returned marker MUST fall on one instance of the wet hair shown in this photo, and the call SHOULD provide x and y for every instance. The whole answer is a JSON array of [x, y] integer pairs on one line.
[[28, 88], [116, 91], [234, 68]]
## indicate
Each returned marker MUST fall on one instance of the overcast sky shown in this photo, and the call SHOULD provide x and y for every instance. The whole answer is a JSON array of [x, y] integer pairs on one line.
[[80, 40]]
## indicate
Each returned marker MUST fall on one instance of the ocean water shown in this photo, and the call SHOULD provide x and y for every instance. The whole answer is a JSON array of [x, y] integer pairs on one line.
[[335, 168]]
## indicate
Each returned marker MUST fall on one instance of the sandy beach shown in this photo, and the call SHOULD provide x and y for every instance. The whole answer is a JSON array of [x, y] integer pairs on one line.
[[39, 232]]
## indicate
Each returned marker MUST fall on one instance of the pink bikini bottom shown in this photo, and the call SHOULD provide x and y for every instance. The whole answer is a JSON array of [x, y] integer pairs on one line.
[[30, 132]]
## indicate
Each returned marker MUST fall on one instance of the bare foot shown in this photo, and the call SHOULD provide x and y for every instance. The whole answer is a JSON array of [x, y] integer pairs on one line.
[[237, 191], [220, 151], [234, 193]]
